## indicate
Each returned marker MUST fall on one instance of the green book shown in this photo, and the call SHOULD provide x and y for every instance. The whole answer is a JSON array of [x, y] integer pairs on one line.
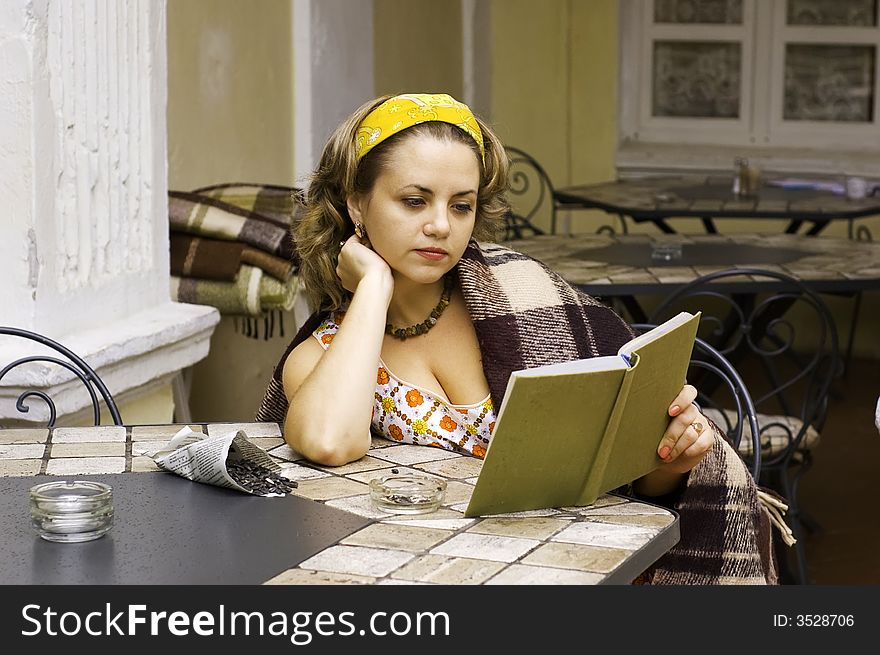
[[567, 433]]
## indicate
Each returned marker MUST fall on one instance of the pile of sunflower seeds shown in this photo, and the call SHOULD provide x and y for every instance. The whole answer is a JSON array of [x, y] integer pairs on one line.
[[258, 479]]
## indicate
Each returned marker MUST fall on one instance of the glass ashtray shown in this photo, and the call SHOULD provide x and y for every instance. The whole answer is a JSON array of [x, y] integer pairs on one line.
[[407, 494], [71, 511]]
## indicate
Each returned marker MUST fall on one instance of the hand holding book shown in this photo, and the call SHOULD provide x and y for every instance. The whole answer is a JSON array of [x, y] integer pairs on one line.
[[685, 435], [685, 443]]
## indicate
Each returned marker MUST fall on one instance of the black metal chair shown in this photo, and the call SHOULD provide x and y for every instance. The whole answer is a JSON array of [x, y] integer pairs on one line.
[[530, 191], [790, 385], [730, 406], [531, 194], [74, 364], [859, 233]]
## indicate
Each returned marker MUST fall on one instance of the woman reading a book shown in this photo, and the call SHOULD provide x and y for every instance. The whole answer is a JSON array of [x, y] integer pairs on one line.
[[420, 319]]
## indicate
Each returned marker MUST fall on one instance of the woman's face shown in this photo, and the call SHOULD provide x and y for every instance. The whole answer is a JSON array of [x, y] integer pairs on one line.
[[419, 216]]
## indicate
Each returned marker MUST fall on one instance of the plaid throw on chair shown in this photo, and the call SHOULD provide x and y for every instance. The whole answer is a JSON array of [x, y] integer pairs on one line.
[[231, 248], [526, 315]]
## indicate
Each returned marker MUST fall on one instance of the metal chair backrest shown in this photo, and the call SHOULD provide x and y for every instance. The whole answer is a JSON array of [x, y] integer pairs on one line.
[[74, 364], [730, 394], [789, 379], [530, 192], [744, 325]]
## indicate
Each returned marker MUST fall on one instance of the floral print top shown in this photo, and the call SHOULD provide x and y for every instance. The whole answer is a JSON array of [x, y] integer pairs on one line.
[[410, 414]]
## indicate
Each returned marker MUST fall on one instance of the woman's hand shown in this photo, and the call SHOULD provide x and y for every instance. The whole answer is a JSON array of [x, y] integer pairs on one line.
[[358, 261], [688, 437]]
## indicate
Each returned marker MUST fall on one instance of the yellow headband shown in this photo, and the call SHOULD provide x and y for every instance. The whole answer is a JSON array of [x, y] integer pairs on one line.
[[408, 109]]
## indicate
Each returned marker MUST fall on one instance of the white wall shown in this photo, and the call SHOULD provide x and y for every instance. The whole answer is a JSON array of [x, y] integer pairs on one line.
[[84, 244]]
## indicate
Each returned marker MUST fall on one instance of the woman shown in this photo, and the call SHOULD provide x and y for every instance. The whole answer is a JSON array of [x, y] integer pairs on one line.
[[426, 322]]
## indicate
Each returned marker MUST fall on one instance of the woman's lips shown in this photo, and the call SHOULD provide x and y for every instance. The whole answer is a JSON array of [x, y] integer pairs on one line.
[[433, 254]]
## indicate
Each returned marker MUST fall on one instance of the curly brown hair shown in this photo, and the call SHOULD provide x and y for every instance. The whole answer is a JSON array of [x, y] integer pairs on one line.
[[324, 219]]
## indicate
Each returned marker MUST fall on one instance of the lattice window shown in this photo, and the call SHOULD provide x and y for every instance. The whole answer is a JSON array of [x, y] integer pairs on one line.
[[790, 73]]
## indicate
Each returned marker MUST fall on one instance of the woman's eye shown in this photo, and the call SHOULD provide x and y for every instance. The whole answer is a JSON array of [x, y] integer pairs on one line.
[[463, 207], [413, 202]]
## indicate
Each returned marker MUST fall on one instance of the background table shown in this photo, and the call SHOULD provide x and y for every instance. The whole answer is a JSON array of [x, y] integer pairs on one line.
[[708, 198], [609, 542], [621, 266]]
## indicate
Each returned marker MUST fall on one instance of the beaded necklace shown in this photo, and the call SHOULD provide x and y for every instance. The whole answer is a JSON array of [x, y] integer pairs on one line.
[[428, 323]]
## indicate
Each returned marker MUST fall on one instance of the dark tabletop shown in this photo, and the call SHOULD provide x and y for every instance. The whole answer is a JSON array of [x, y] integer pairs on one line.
[[168, 530]]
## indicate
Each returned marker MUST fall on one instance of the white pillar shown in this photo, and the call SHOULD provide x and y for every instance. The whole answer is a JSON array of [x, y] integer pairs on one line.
[[476, 43], [83, 186]]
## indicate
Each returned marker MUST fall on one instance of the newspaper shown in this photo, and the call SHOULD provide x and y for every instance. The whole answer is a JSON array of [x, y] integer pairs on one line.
[[226, 460]]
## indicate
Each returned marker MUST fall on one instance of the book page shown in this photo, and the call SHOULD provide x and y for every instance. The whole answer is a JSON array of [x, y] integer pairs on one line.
[[606, 363], [637, 342]]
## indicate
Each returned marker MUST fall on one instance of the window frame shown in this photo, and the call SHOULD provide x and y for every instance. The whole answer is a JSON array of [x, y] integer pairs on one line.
[[760, 127]]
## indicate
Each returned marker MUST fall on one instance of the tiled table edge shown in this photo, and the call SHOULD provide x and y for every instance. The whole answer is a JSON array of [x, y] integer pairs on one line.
[[109, 434], [625, 571], [636, 561]]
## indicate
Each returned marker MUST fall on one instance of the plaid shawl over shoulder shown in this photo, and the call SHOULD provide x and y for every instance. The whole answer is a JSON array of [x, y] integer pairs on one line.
[[526, 315]]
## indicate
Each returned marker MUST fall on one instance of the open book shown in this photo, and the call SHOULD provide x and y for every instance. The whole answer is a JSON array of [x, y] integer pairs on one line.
[[567, 433]]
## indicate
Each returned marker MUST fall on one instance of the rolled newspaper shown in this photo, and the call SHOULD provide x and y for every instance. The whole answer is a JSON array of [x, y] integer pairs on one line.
[[226, 460]]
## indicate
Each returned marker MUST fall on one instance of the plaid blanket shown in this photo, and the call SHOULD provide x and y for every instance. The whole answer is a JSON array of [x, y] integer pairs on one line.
[[231, 248], [273, 202], [726, 533], [216, 259], [207, 217], [251, 293], [526, 315], [208, 259]]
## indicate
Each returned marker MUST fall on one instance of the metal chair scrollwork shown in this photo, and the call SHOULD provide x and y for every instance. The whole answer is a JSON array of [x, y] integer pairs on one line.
[[532, 195], [789, 379], [730, 406], [530, 191], [73, 363]]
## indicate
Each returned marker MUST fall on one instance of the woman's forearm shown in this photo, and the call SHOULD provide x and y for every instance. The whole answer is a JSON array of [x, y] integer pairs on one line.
[[329, 421], [658, 483]]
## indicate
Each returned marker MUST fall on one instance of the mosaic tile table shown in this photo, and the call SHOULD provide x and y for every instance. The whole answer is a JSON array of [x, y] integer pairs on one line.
[[622, 265], [609, 542]]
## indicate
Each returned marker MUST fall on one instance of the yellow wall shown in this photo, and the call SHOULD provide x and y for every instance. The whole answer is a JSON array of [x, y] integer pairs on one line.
[[593, 97], [230, 119], [554, 89], [228, 385], [154, 406], [417, 46], [230, 92], [530, 80], [145, 405]]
